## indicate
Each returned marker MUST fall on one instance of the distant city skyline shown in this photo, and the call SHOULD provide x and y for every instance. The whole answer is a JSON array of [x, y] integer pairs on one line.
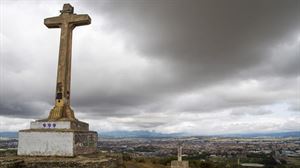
[[198, 67]]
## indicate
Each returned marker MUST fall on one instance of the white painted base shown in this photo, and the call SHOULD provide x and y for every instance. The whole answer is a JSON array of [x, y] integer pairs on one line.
[[33, 142], [46, 143]]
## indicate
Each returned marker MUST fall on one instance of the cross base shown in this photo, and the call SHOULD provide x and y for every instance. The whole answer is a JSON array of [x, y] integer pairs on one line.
[[179, 164], [36, 142], [59, 124], [61, 112]]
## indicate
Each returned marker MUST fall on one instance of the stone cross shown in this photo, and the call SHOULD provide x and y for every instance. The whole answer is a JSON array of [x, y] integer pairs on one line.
[[66, 21], [180, 152]]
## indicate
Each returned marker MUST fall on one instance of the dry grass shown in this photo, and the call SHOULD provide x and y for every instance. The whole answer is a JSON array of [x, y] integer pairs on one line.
[[147, 164]]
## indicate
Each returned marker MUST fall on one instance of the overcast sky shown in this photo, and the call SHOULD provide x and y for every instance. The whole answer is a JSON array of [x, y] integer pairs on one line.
[[201, 67]]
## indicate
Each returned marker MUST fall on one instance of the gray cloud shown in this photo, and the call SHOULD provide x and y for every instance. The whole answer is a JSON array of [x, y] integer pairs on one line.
[[295, 105], [155, 57], [207, 40], [250, 111]]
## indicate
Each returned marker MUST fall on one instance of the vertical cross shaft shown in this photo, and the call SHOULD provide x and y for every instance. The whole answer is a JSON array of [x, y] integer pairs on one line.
[[67, 21], [180, 152]]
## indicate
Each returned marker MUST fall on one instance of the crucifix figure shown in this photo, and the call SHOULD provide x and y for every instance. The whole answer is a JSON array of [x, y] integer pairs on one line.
[[66, 21]]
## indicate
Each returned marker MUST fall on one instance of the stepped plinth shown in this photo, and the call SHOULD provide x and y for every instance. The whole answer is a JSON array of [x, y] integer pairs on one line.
[[57, 138]]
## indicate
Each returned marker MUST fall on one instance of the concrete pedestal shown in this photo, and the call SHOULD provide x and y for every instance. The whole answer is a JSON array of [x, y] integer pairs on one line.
[[59, 138]]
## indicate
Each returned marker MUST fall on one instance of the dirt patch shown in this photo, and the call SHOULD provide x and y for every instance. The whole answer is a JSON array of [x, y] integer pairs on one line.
[[97, 160]]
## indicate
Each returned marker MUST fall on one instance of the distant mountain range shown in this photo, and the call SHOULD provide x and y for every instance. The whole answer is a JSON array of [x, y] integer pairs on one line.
[[115, 134], [9, 134], [274, 135], [153, 134], [137, 134]]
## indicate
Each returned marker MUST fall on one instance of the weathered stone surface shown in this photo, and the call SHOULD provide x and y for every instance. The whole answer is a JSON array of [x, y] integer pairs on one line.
[[85, 142], [66, 21], [61, 134]]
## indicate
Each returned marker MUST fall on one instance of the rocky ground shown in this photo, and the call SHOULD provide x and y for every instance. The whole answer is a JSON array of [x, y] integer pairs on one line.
[[98, 160]]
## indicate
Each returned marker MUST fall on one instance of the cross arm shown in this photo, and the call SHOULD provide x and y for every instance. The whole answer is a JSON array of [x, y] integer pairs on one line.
[[80, 20], [53, 22]]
